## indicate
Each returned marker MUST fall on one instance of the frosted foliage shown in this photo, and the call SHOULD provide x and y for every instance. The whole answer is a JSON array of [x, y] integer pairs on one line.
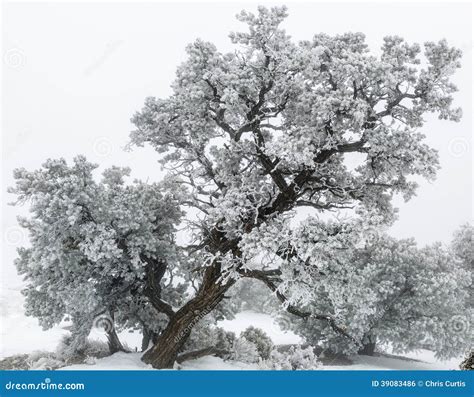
[[91, 242], [68, 353], [304, 252], [296, 358], [274, 115], [463, 245], [206, 334], [245, 351], [261, 340], [393, 292]]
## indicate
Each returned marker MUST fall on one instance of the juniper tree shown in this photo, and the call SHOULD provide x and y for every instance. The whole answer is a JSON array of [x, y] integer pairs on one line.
[[256, 133], [389, 291], [99, 250]]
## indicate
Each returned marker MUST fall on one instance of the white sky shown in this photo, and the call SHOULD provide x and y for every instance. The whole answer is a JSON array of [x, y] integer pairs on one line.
[[73, 75]]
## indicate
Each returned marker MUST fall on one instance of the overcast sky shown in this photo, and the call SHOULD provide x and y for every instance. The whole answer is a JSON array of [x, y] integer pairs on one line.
[[74, 74]]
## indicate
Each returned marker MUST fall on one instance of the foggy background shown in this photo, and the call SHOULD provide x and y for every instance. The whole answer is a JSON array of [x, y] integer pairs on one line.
[[74, 74]]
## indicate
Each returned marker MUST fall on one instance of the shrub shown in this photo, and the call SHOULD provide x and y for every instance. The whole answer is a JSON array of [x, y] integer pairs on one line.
[[44, 360], [69, 352], [245, 351], [262, 341], [296, 358]]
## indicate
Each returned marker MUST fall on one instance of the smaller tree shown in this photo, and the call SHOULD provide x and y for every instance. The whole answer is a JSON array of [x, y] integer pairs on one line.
[[97, 249], [384, 290]]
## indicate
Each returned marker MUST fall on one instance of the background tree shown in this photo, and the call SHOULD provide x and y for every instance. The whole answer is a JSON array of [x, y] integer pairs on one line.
[[270, 127], [247, 294], [463, 248], [99, 251], [390, 292], [463, 245]]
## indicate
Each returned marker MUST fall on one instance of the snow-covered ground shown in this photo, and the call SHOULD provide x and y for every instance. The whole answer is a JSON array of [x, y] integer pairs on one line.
[[21, 334], [124, 361], [421, 360], [131, 361]]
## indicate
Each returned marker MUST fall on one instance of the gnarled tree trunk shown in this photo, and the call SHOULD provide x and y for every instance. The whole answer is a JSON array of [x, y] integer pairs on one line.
[[112, 338], [165, 352], [468, 363], [148, 336], [114, 342]]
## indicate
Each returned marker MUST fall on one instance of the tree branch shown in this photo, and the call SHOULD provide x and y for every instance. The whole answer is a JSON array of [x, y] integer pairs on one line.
[[264, 276], [207, 351], [155, 270]]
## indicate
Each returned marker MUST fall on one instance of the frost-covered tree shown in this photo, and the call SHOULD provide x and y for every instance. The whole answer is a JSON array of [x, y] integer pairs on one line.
[[390, 292], [255, 134], [99, 250], [276, 125]]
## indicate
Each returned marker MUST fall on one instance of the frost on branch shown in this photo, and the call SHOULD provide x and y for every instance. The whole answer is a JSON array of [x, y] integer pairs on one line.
[[277, 117]]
